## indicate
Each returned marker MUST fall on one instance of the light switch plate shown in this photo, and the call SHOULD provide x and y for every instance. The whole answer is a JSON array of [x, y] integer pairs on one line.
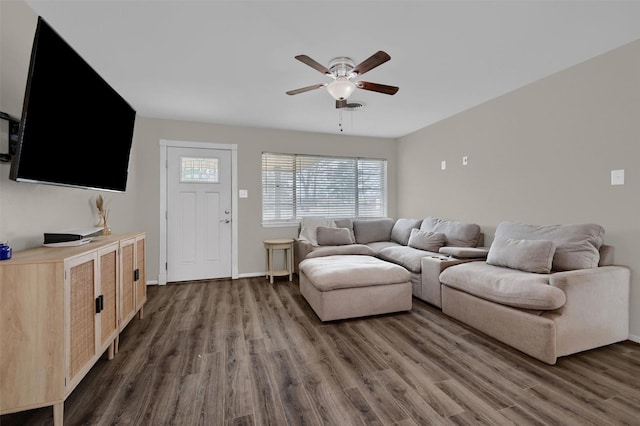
[[443, 165], [465, 160], [617, 177], [243, 193]]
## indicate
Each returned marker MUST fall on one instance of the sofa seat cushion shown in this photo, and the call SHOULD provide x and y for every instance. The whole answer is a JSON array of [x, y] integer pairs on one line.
[[335, 272], [380, 245], [408, 257], [506, 286]]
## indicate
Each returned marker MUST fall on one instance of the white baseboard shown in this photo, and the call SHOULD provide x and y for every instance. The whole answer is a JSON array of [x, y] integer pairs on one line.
[[152, 282], [634, 338], [252, 274]]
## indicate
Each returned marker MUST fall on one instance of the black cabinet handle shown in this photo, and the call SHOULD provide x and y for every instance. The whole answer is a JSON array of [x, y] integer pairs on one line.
[[136, 274], [99, 304]]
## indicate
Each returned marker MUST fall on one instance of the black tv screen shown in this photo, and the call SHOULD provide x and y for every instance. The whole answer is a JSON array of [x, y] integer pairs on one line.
[[75, 130]]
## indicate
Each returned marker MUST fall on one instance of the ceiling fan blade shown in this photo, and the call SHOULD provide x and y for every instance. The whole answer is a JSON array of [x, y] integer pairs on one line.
[[305, 89], [373, 61], [375, 87], [341, 103], [313, 64]]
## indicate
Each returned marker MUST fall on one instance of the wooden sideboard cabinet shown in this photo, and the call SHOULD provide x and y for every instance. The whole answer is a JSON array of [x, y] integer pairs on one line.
[[61, 309]]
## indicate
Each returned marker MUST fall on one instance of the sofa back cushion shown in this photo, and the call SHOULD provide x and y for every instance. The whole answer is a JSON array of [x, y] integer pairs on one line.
[[525, 255], [577, 246], [401, 230], [458, 234], [333, 236], [372, 230]]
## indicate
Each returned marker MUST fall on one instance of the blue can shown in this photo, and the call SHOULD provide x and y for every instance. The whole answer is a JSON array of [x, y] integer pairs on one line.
[[5, 251]]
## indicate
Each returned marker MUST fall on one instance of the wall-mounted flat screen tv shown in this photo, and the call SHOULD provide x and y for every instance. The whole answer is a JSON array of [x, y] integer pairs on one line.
[[75, 129]]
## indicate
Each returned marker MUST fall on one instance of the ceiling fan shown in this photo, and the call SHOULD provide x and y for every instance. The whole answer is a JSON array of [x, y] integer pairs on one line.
[[344, 72]]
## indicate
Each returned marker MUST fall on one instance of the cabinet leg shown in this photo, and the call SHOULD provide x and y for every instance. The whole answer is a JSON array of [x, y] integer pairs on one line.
[[112, 350], [116, 344], [58, 413], [141, 313]]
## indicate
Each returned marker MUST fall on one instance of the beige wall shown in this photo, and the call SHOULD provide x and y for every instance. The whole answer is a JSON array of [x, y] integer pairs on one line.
[[541, 154], [251, 143], [28, 210]]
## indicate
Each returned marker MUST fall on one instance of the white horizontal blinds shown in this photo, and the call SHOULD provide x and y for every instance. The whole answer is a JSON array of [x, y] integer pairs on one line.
[[372, 188], [326, 186], [295, 186], [278, 189]]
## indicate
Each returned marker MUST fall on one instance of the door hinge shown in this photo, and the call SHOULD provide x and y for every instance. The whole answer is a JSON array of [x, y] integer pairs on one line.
[[166, 266]]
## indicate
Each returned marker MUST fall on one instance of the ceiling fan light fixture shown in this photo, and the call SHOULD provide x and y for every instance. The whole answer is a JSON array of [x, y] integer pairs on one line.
[[341, 88]]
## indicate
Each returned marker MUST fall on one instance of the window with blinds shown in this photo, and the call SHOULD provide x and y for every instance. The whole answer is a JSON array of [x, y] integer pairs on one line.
[[295, 186]]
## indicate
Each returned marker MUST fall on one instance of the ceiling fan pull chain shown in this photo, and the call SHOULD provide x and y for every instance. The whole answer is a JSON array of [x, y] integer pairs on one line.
[[340, 119]]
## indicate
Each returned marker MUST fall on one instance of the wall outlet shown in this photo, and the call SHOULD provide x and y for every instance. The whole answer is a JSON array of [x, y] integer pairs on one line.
[[617, 177], [443, 165], [243, 193]]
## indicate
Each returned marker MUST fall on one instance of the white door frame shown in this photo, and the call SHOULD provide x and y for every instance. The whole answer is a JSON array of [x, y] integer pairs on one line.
[[164, 146]]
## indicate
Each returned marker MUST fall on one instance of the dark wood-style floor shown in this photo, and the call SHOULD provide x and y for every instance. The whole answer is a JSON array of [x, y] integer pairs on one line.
[[246, 352]]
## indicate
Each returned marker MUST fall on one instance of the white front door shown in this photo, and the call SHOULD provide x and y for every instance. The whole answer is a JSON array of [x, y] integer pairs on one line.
[[198, 213]]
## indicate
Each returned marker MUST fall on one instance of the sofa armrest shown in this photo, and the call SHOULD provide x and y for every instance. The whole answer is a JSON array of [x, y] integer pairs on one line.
[[475, 253], [430, 290], [301, 248], [597, 309]]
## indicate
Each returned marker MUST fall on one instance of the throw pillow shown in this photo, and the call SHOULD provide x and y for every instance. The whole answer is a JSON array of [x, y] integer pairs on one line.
[[309, 226], [524, 255], [423, 240], [333, 236], [402, 230]]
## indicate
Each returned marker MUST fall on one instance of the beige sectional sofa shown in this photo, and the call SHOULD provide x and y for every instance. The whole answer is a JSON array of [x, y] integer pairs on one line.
[[546, 290], [424, 247]]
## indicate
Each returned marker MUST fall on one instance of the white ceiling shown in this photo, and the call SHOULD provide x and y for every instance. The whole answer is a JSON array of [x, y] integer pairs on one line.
[[231, 62]]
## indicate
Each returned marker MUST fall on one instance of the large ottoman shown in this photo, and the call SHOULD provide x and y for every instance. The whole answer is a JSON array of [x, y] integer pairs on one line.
[[350, 286]]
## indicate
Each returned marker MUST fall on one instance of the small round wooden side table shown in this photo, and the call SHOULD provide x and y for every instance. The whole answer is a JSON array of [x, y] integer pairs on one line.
[[285, 244]]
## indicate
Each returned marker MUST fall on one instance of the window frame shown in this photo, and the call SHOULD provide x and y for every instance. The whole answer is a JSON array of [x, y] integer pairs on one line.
[[295, 162]]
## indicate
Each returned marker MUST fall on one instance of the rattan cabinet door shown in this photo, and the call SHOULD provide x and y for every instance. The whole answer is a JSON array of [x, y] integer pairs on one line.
[[81, 314], [109, 264], [141, 279], [127, 282]]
